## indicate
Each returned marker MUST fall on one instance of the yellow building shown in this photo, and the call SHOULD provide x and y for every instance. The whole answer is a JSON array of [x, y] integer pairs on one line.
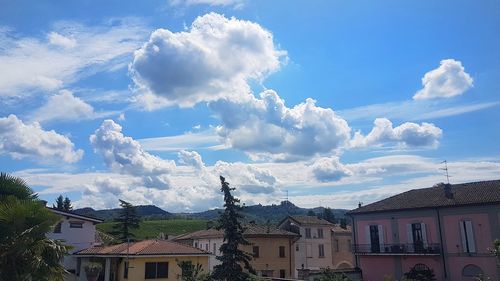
[[144, 260]]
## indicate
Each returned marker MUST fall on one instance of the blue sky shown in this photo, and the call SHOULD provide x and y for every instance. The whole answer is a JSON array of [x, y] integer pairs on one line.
[[336, 102]]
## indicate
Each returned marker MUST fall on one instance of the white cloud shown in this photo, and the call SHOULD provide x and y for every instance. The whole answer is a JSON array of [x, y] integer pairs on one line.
[[70, 51], [448, 80], [266, 128], [191, 158], [125, 155], [61, 40], [63, 106], [235, 3], [20, 140], [213, 59], [247, 178], [406, 135], [199, 140], [412, 110], [329, 169]]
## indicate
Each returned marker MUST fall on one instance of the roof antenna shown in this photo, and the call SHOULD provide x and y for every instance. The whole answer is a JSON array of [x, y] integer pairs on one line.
[[446, 169]]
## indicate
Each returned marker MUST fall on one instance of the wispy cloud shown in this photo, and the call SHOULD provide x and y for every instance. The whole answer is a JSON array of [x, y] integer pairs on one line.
[[412, 110], [206, 139]]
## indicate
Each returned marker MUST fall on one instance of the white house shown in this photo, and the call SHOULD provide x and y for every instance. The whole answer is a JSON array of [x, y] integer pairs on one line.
[[75, 230], [313, 250]]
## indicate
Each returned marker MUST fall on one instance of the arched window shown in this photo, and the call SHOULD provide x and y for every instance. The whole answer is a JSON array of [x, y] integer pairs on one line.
[[472, 270]]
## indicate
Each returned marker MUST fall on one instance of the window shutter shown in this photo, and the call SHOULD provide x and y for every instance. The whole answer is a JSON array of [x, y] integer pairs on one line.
[[381, 237], [470, 236], [462, 235], [424, 234], [409, 233], [367, 235]]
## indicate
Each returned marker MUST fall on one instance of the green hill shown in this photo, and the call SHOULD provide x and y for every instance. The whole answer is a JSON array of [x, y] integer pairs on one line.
[[152, 228]]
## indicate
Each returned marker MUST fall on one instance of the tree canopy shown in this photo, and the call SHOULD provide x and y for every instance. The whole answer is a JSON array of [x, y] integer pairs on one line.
[[126, 221], [232, 257]]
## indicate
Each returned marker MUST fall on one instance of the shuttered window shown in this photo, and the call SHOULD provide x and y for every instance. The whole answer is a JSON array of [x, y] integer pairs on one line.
[[467, 234]]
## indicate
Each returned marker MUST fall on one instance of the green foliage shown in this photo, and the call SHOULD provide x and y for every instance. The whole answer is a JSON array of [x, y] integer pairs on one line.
[[67, 205], [496, 249], [191, 272], [59, 203], [420, 274], [328, 215], [343, 223], [126, 221], [25, 252], [151, 229], [329, 275], [232, 257]]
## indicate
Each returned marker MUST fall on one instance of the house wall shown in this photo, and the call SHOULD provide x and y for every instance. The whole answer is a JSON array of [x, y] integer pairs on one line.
[[208, 243], [307, 249], [77, 238], [343, 257], [269, 259], [137, 267], [446, 266]]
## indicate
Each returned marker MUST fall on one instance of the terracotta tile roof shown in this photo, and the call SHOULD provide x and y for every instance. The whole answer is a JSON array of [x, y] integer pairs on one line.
[[309, 220], [251, 230], [143, 248], [264, 230], [337, 229], [472, 193]]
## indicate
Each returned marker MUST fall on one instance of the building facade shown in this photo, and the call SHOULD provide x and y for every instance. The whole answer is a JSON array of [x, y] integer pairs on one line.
[[446, 228], [77, 231], [271, 248], [144, 260], [315, 248], [342, 255]]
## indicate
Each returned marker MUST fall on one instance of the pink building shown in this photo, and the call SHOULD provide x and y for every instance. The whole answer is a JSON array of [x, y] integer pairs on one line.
[[446, 228]]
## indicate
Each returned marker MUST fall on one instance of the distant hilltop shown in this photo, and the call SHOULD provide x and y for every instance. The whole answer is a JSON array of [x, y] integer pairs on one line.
[[259, 213]]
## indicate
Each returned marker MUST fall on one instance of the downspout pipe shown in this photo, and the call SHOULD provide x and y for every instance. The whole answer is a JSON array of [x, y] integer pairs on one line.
[[441, 242]]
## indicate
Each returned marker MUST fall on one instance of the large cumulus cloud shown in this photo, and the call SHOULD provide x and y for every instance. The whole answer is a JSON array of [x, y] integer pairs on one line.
[[20, 140], [215, 58], [125, 155], [265, 127], [448, 80]]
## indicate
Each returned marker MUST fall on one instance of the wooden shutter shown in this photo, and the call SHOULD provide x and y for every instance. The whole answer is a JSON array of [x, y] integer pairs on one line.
[[424, 234], [470, 236], [381, 237]]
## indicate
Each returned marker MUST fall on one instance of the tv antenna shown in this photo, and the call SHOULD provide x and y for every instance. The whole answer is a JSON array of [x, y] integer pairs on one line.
[[446, 170]]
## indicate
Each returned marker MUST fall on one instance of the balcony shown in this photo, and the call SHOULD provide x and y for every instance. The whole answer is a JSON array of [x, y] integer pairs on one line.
[[398, 249]]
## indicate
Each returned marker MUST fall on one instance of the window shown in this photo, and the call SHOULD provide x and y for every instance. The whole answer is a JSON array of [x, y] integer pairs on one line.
[[467, 233], [156, 270], [256, 252], [196, 244], [321, 248], [308, 233], [349, 245], [336, 245], [320, 233], [215, 249], [375, 237], [282, 273], [57, 228], [297, 247], [125, 270], [282, 251], [75, 224], [206, 247], [472, 271]]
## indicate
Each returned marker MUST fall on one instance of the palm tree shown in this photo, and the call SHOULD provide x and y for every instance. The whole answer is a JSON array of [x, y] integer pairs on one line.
[[25, 252]]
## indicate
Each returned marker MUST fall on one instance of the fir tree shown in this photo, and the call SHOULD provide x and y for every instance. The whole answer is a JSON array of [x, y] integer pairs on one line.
[[59, 203], [126, 221], [67, 205], [328, 215], [232, 258]]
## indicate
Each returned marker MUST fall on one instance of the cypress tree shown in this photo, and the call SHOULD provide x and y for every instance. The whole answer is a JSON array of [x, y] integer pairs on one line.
[[59, 203], [67, 205], [232, 257], [126, 221]]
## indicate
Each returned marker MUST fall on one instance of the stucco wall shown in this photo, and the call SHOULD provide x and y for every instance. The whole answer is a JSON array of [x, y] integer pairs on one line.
[[269, 258], [344, 257]]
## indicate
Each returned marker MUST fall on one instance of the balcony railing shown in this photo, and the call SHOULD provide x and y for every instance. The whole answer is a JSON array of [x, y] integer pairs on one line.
[[397, 249]]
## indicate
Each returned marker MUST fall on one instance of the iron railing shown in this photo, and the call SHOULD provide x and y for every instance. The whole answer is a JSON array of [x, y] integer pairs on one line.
[[401, 249]]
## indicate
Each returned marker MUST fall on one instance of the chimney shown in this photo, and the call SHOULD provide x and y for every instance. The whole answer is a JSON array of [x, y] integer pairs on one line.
[[360, 204], [447, 191]]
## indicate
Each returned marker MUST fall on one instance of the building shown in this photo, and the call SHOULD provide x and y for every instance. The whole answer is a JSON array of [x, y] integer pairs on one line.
[[272, 248], [342, 255], [445, 228], [318, 241], [77, 231], [148, 259]]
